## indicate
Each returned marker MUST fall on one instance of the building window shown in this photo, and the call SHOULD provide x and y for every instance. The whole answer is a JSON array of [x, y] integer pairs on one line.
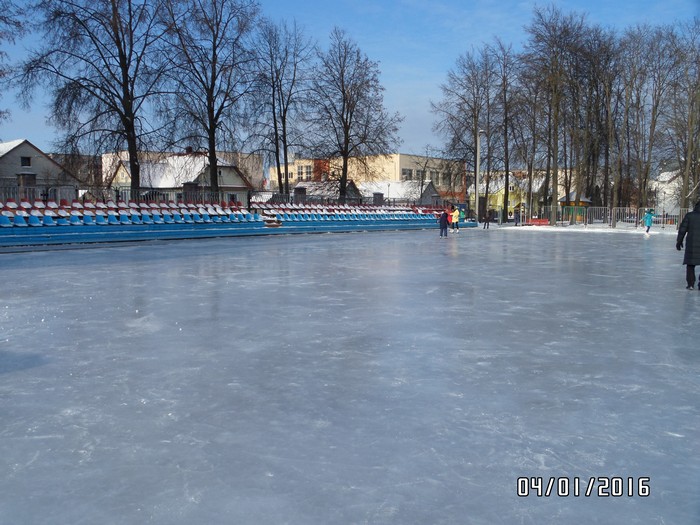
[[25, 162], [309, 171], [420, 174], [435, 176], [406, 174]]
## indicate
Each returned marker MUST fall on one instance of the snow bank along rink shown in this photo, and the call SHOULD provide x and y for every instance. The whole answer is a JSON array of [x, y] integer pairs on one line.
[[501, 376]]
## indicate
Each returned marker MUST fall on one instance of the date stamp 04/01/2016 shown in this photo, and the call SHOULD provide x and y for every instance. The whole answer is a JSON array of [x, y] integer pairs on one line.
[[593, 486]]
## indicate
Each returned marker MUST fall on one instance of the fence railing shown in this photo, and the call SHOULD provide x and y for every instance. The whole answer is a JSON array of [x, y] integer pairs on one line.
[[38, 193], [179, 195], [70, 193], [621, 217]]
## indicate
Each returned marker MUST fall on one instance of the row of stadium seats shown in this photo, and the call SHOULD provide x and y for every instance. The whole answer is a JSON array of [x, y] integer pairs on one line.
[[79, 213], [343, 212]]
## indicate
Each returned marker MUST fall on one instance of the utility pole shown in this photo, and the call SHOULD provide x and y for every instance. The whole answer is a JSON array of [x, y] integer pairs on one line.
[[477, 177]]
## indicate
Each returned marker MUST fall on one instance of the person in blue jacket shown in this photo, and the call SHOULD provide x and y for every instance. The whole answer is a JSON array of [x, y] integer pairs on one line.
[[648, 219]]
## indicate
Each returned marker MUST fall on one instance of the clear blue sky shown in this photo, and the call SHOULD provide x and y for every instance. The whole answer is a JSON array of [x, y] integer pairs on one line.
[[415, 42]]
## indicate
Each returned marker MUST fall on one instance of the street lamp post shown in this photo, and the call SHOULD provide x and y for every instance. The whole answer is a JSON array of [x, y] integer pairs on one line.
[[663, 209], [477, 174]]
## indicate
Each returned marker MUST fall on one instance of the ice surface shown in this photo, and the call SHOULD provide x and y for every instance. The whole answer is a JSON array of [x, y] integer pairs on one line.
[[378, 378]]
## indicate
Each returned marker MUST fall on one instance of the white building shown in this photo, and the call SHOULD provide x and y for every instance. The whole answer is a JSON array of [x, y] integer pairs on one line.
[[667, 191]]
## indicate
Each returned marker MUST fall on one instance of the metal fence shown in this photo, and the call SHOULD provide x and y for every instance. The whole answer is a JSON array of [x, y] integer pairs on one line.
[[178, 195], [598, 215], [70, 193], [622, 217], [38, 193]]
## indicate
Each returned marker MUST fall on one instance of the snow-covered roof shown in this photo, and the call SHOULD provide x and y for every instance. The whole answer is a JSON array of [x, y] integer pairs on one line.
[[6, 147], [400, 190], [326, 189], [175, 170], [668, 176]]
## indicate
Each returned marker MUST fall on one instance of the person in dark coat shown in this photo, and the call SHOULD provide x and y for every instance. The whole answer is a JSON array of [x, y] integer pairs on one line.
[[690, 226], [443, 223]]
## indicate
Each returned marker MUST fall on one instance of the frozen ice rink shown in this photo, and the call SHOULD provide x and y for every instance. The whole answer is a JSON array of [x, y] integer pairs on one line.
[[368, 378]]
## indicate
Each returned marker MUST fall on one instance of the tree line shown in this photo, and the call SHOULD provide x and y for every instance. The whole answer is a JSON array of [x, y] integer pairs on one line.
[[604, 110], [213, 75]]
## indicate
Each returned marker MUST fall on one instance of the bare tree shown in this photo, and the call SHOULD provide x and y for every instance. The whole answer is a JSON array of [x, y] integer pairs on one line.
[[210, 70], [464, 109], [529, 117], [552, 35], [98, 61], [345, 115], [505, 65], [11, 27], [606, 70], [284, 56], [683, 110]]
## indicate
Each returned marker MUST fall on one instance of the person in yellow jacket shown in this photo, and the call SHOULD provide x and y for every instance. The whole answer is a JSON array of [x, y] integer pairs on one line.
[[455, 219]]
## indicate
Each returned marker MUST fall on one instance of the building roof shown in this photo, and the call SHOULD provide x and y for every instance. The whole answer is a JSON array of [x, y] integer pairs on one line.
[[329, 189], [6, 147], [175, 170], [398, 190], [668, 176]]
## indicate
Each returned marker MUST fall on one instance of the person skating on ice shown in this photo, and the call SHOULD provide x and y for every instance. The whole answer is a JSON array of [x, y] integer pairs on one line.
[[648, 219], [443, 223], [455, 220]]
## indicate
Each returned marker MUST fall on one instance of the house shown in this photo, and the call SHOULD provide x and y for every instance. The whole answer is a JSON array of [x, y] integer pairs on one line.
[[667, 189], [518, 195], [325, 191], [27, 172], [400, 192], [167, 174], [162, 168], [574, 200]]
